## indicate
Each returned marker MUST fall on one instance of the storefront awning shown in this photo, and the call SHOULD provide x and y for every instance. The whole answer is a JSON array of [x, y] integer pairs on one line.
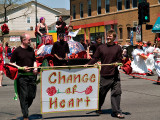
[[156, 27]]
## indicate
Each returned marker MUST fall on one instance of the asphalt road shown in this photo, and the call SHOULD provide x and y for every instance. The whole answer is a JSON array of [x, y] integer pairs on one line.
[[140, 101]]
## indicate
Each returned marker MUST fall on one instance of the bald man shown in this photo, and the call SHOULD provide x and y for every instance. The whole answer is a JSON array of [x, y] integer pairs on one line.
[[24, 56]]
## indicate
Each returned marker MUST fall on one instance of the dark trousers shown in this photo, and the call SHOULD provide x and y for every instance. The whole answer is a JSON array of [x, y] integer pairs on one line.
[[26, 87], [113, 83]]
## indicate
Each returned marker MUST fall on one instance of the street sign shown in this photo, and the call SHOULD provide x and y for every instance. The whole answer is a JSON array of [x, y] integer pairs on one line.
[[138, 33]]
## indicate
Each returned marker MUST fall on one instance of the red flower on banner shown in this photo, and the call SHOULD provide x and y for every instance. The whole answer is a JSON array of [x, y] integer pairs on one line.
[[88, 90], [51, 91]]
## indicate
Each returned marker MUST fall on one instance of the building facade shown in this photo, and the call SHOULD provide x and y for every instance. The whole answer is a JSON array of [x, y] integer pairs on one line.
[[22, 19], [96, 17], [25, 16]]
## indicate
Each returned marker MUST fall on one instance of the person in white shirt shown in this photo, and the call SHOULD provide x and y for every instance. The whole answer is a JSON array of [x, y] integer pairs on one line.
[[72, 34], [138, 64], [157, 60], [150, 59]]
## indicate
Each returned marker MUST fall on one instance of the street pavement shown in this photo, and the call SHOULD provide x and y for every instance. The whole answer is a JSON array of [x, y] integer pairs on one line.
[[140, 101]]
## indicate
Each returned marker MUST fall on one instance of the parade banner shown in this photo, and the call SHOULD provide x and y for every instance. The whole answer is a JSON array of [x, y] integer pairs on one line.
[[69, 89]]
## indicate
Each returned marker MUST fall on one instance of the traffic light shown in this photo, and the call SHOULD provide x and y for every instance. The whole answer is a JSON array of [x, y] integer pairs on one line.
[[143, 13], [140, 13], [146, 17]]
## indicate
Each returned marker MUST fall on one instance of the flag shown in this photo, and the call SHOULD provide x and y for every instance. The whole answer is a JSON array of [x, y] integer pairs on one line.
[[10, 71]]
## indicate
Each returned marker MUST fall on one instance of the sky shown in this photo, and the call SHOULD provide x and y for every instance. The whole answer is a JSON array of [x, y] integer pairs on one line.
[[54, 3]]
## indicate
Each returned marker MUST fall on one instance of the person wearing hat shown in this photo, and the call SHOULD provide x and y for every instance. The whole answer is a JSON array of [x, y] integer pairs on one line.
[[138, 64], [60, 51], [144, 45], [42, 29], [23, 57], [150, 59]]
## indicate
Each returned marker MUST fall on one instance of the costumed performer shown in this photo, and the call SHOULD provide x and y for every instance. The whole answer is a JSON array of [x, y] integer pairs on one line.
[[72, 34], [157, 59], [150, 59], [1, 64], [138, 64]]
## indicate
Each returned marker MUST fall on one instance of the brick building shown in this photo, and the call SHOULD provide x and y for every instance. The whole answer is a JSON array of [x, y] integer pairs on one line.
[[98, 16]]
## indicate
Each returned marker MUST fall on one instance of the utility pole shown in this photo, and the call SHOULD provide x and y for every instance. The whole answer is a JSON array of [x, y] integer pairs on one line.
[[36, 12], [36, 18]]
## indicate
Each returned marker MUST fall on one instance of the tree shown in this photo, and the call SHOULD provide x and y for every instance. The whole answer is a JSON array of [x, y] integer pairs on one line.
[[7, 5]]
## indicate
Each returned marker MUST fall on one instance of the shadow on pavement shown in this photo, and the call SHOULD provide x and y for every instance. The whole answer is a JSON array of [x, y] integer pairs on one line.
[[109, 111], [31, 117], [155, 83], [70, 116], [126, 113], [104, 111]]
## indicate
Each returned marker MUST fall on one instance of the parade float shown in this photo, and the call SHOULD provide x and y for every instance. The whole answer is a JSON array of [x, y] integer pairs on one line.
[[77, 55]]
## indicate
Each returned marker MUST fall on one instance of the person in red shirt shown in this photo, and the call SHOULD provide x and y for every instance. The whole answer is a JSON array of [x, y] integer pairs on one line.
[[1, 64]]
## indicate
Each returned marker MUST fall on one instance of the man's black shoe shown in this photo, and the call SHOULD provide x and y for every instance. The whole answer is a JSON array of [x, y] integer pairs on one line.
[[98, 112]]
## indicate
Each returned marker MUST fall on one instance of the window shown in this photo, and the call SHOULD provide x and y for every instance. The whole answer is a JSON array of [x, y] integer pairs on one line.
[[128, 32], [31, 28], [81, 10], [108, 27], [115, 27], [74, 12], [127, 4], [134, 3], [121, 33], [99, 6], [89, 7], [28, 20], [119, 5], [107, 6]]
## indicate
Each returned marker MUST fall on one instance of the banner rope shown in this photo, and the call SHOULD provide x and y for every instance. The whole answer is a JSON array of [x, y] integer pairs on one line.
[[72, 66]]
